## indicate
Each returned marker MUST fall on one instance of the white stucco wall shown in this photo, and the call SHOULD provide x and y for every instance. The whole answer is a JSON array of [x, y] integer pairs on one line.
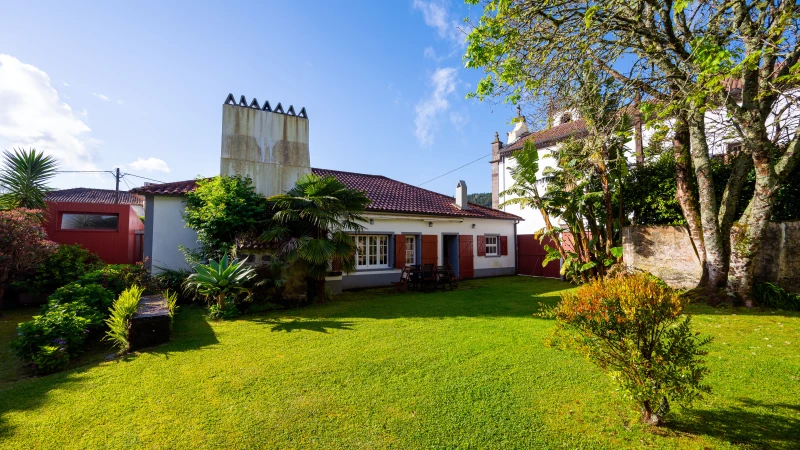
[[169, 233], [533, 218]]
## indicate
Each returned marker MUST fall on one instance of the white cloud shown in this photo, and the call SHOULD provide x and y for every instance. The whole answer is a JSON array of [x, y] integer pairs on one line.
[[83, 112], [120, 102], [438, 17], [65, 83], [459, 120], [429, 53], [32, 115], [100, 96], [150, 165], [427, 110]]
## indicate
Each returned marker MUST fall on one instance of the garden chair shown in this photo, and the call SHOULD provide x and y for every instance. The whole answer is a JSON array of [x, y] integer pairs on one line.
[[450, 277], [429, 277], [405, 275]]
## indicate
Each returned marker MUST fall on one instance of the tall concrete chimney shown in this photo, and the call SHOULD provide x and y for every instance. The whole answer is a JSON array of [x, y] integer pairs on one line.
[[268, 145], [461, 195]]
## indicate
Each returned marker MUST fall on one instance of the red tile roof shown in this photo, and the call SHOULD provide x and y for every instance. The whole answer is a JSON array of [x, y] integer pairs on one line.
[[174, 188], [387, 195], [87, 195], [549, 136]]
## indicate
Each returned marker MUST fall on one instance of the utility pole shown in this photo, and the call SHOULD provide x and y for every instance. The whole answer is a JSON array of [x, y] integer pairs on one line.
[[116, 194]]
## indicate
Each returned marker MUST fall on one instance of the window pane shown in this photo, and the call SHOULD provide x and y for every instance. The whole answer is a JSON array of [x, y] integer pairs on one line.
[[372, 252], [384, 250], [361, 250], [70, 221], [410, 250]]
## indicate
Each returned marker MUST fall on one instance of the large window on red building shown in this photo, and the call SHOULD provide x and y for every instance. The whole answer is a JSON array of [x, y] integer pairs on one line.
[[85, 221]]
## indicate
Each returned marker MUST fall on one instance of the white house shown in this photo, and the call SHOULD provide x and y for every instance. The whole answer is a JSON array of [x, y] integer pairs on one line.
[[406, 224], [565, 124]]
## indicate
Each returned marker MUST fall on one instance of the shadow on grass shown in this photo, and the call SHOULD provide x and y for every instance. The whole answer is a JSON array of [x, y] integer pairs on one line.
[[748, 424], [320, 326], [191, 331], [490, 297]]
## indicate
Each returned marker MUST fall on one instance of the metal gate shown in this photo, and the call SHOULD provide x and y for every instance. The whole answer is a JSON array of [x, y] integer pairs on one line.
[[531, 254]]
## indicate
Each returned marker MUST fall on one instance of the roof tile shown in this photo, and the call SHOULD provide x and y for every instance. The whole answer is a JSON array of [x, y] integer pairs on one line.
[[386, 195], [88, 195]]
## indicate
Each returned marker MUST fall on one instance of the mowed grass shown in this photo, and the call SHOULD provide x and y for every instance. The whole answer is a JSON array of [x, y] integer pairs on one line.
[[376, 369]]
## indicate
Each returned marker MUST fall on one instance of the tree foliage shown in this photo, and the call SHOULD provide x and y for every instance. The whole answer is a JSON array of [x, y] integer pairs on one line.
[[221, 209], [312, 225], [24, 177], [687, 59], [481, 198], [23, 244]]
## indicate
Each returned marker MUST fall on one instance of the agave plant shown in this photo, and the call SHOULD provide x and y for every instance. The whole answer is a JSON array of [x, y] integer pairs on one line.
[[220, 280], [24, 179]]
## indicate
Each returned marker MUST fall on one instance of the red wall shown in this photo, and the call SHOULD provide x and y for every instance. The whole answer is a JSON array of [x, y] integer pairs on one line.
[[113, 247]]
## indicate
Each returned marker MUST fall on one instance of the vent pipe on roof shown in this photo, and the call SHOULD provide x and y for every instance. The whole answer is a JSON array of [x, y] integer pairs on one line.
[[461, 195]]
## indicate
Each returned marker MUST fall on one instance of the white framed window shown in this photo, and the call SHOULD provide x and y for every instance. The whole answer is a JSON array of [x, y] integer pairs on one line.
[[411, 250], [372, 251], [492, 246]]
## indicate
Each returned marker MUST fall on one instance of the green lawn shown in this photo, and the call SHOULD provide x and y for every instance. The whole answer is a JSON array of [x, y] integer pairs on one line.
[[374, 369]]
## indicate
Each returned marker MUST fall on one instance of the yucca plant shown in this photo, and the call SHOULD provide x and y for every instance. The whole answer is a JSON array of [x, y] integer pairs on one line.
[[221, 280], [24, 178], [122, 310]]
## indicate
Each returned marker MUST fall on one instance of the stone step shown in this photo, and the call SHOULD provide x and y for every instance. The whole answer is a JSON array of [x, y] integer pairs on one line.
[[151, 324]]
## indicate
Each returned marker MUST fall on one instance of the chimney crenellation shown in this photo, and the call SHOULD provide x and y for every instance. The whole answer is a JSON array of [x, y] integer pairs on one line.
[[255, 105]]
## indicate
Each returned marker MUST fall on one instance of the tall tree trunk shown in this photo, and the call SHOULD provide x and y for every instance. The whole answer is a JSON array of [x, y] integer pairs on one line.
[[609, 228], [637, 132], [716, 263], [748, 232], [685, 191]]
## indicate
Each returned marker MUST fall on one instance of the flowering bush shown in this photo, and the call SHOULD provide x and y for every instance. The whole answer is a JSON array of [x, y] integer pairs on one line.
[[634, 328], [62, 327], [23, 244]]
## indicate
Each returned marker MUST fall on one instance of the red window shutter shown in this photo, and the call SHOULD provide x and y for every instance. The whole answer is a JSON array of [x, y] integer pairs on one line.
[[481, 245], [503, 245], [399, 251], [430, 249]]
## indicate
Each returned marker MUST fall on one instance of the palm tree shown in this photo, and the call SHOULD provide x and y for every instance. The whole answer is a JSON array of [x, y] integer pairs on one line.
[[24, 178], [311, 226]]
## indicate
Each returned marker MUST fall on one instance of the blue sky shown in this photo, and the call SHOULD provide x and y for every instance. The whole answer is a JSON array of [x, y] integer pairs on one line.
[[139, 85]]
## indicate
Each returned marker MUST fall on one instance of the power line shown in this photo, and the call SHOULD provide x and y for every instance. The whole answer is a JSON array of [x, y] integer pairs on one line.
[[144, 178], [457, 168]]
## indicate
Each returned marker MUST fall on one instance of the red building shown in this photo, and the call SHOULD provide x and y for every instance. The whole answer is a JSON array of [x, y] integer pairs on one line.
[[101, 221]]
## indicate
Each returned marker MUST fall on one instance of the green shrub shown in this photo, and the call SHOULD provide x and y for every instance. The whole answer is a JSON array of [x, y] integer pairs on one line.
[[119, 277], [227, 311], [172, 280], [67, 264], [50, 358], [121, 312], [634, 328], [774, 296], [62, 327], [93, 295]]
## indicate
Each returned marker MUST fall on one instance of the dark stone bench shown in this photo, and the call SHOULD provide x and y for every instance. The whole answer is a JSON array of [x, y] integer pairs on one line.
[[151, 324]]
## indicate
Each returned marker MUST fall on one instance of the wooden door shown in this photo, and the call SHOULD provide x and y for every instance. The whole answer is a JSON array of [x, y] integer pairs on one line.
[[430, 249], [466, 257]]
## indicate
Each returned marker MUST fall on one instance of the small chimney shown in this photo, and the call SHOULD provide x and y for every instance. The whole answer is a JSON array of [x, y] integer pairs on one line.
[[461, 195]]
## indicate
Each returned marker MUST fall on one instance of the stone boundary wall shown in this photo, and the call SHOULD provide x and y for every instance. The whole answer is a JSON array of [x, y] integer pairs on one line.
[[667, 252]]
